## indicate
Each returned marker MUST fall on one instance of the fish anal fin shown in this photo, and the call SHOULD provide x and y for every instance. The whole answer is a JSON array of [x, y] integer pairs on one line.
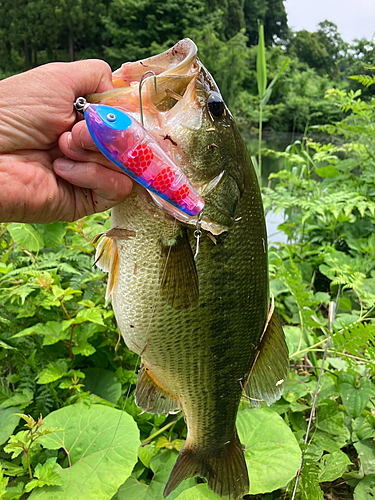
[[178, 274], [152, 396], [225, 471], [271, 365]]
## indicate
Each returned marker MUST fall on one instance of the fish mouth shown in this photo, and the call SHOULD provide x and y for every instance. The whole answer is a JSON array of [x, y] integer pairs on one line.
[[174, 70], [174, 101]]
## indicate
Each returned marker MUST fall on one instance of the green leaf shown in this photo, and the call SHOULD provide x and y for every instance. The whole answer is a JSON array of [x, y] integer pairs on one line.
[[365, 488], [26, 236], [23, 399], [268, 92], [52, 233], [102, 444], [53, 371], [308, 485], [366, 456], [9, 421], [145, 454], [131, 490], [333, 466], [355, 396], [103, 383], [271, 451], [3, 483], [329, 418], [328, 442], [162, 465], [261, 63], [92, 315], [367, 429], [46, 475], [84, 348], [199, 492], [329, 171]]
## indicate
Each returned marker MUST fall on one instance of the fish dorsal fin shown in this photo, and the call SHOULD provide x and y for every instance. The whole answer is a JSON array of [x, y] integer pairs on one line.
[[269, 371], [178, 274], [152, 396]]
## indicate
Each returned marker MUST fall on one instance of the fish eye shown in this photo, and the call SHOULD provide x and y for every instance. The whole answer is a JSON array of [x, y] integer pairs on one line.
[[111, 117], [215, 104]]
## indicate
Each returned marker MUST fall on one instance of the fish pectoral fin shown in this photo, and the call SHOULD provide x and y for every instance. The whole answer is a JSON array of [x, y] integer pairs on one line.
[[178, 274], [225, 470], [106, 258], [271, 366], [152, 396]]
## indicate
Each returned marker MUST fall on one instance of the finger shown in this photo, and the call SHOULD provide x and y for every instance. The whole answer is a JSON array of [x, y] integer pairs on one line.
[[108, 187], [73, 150], [81, 136], [91, 76]]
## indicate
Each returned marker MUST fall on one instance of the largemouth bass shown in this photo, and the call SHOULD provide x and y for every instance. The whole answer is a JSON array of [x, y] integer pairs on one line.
[[205, 329]]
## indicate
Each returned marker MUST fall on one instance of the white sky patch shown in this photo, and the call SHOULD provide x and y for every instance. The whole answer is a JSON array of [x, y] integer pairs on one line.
[[354, 18]]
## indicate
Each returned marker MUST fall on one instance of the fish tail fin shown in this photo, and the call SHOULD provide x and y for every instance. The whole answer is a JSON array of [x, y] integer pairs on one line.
[[226, 471]]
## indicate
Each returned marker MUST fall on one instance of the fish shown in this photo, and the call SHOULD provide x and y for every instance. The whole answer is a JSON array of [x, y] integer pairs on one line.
[[204, 325]]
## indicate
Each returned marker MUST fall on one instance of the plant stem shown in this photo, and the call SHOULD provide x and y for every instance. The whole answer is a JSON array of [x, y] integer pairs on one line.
[[160, 431]]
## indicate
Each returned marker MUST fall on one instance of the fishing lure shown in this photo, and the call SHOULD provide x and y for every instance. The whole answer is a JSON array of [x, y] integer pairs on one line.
[[129, 146]]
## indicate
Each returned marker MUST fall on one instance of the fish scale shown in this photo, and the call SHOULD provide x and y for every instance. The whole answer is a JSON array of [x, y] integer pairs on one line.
[[203, 328]]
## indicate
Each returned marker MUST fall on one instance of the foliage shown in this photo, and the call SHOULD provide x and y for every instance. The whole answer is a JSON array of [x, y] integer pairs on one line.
[[326, 193]]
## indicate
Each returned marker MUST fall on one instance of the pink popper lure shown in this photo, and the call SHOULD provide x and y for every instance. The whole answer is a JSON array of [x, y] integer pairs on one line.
[[127, 144]]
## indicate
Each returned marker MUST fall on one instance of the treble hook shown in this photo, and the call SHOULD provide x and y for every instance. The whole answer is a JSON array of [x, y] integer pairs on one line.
[[198, 232], [140, 92]]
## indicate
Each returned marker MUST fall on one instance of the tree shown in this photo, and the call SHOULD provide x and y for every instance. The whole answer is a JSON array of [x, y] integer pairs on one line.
[[270, 13]]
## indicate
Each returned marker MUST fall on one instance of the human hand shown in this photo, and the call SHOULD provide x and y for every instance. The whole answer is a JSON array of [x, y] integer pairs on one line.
[[37, 183]]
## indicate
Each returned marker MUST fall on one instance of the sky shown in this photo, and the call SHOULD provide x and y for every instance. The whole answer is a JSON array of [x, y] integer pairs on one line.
[[354, 18]]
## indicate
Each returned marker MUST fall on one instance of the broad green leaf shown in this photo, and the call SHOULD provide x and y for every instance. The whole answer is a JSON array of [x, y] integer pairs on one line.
[[366, 456], [132, 489], [46, 474], [294, 390], [9, 421], [271, 451], [367, 428], [162, 465], [53, 371], [355, 395], [328, 442], [198, 492], [329, 418], [52, 233], [329, 171], [26, 236], [84, 348], [145, 454], [19, 398], [92, 315], [333, 466], [101, 443], [103, 383], [365, 488], [52, 331], [261, 63]]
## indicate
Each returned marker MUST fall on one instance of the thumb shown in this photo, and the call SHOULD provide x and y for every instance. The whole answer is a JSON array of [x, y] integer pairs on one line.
[[90, 76]]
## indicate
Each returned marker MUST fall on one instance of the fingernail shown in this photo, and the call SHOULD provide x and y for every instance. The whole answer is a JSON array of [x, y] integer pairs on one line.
[[64, 164]]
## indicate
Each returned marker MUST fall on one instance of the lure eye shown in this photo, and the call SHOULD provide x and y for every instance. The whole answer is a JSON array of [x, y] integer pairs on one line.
[[111, 117], [215, 104]]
